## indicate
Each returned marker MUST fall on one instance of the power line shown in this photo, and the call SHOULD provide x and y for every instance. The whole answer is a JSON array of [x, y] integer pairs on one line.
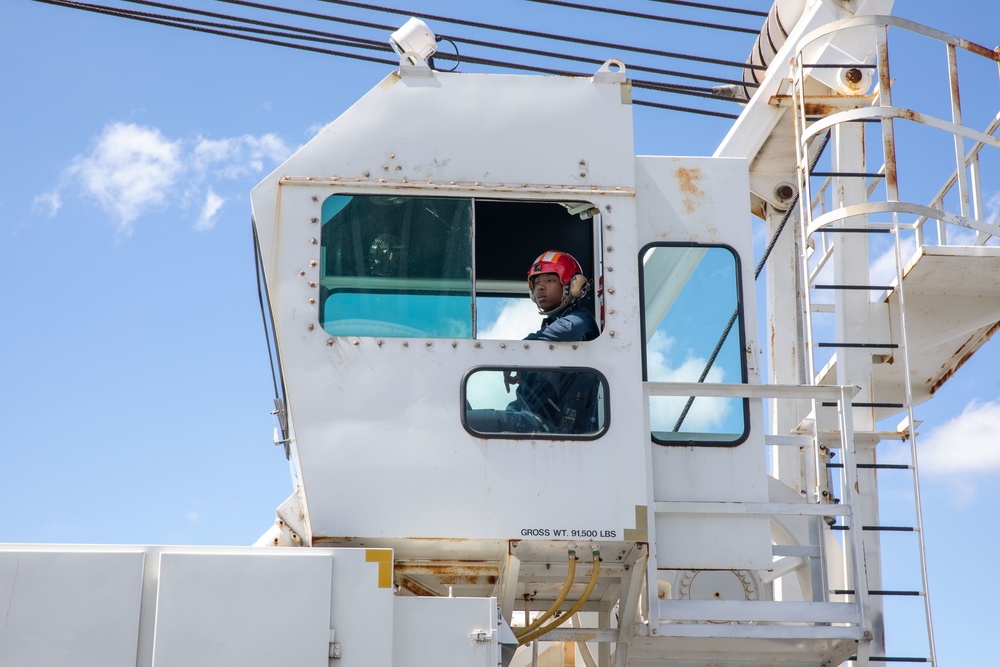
[[185, 25], [648, 17], [671, 107], [226, 30], [719, 8], [286, 31], [532, 33], [381, 46]]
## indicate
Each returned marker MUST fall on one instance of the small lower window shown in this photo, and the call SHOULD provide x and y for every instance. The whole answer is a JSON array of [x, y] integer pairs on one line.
[[553, 403]]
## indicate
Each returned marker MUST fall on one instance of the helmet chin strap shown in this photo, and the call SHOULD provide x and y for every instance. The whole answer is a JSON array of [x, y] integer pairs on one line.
[[566, 301]]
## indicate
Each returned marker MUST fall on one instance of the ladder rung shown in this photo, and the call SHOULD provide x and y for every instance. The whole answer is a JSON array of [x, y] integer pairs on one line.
[[833, 404], [848, 174], [885, 658], [839, 66], [884, 288], [873, 466], [890, 529], [850, 591], [855, 230], [887, 345]]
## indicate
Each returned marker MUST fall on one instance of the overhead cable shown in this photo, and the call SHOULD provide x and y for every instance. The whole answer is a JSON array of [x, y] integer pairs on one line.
[[281, 30], [381, 46], [235, 32], [648, 17], [672, 107], [792, 207], [718, 8], [185, 25], [530, 33]]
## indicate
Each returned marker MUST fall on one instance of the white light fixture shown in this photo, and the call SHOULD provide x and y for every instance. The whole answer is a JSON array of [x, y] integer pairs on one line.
[[414, 42]]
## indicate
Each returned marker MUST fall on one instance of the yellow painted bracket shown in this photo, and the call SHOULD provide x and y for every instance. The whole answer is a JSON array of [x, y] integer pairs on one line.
[[641, 531], [384, 559]]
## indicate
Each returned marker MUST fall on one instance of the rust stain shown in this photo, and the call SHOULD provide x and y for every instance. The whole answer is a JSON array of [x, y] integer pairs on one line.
[[687, 179], [951, 371], [820, 109], [417, 588], [442, 568], [983, 51]]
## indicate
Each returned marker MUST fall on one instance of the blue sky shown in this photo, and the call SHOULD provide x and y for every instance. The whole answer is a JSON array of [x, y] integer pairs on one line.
[[135, 370]]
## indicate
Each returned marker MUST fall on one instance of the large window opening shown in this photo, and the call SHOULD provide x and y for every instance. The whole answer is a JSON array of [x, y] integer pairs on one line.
[[443, 267], [693, 332]]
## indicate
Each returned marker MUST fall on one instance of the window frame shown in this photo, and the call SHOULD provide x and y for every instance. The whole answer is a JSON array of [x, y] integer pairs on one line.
[[511, 435], [590, 251], [741, 326]]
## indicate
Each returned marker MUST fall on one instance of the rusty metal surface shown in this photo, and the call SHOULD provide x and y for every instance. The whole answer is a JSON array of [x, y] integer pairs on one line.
[[976, 341]]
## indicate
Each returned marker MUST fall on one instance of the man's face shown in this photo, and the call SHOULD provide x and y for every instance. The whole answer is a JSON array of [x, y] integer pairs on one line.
[[548, 291]]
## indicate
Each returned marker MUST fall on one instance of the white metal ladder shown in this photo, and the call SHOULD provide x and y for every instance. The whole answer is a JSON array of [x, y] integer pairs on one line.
[[840, 238]]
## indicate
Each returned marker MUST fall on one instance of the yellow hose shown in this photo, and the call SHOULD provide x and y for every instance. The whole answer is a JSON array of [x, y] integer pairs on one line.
[[524, 638], [559, 600]]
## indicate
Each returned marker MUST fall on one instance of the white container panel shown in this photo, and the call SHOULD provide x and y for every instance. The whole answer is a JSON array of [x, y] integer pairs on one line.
[[243, 609], [429, 628], [70, 609]]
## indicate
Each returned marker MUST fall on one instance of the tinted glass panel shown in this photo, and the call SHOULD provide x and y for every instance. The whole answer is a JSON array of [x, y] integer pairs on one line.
[[693, 328], [536, 402], [396, 266]]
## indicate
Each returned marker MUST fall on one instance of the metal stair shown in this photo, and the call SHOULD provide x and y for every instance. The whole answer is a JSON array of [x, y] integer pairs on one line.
[[868, 340]]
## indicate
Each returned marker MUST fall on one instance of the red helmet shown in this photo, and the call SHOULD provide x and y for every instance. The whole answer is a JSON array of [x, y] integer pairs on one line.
[[570, 274], [560, 263]]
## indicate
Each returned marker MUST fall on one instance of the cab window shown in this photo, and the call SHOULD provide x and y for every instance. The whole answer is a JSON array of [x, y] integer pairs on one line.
[[693, 332], [442, 267], [537, 403]]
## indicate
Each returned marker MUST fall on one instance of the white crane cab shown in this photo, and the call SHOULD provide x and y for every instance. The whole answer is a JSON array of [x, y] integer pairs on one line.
[[395, 249]]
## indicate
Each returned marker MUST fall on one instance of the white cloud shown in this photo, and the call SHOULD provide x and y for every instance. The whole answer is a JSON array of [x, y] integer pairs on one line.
[[966, 444], [516, 320], [213, 203], [130, 171], [883, 266], [47, 203], [705, 414], [992, 213], [238, 157], [133, 171]]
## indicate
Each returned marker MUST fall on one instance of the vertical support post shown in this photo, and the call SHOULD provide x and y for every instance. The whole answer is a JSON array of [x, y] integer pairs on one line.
[[509, 583], [786, 349], [956, 117], [604, 648], [857, 553], [918, 506]]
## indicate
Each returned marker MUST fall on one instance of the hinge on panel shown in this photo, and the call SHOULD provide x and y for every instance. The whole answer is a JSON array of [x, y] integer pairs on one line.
[[481, 636], [334, 647]]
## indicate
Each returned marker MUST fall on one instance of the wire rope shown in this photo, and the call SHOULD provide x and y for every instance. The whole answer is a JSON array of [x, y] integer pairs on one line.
[[541, 35], [387, 28], [719, 8], [648, 17], [756, 274], [228, 31]]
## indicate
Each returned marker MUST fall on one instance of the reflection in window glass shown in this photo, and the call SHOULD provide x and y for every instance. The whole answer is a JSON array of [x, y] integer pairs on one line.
[[396, 266], [536, 402], [402, 265], [693, 332], [505, 317]]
